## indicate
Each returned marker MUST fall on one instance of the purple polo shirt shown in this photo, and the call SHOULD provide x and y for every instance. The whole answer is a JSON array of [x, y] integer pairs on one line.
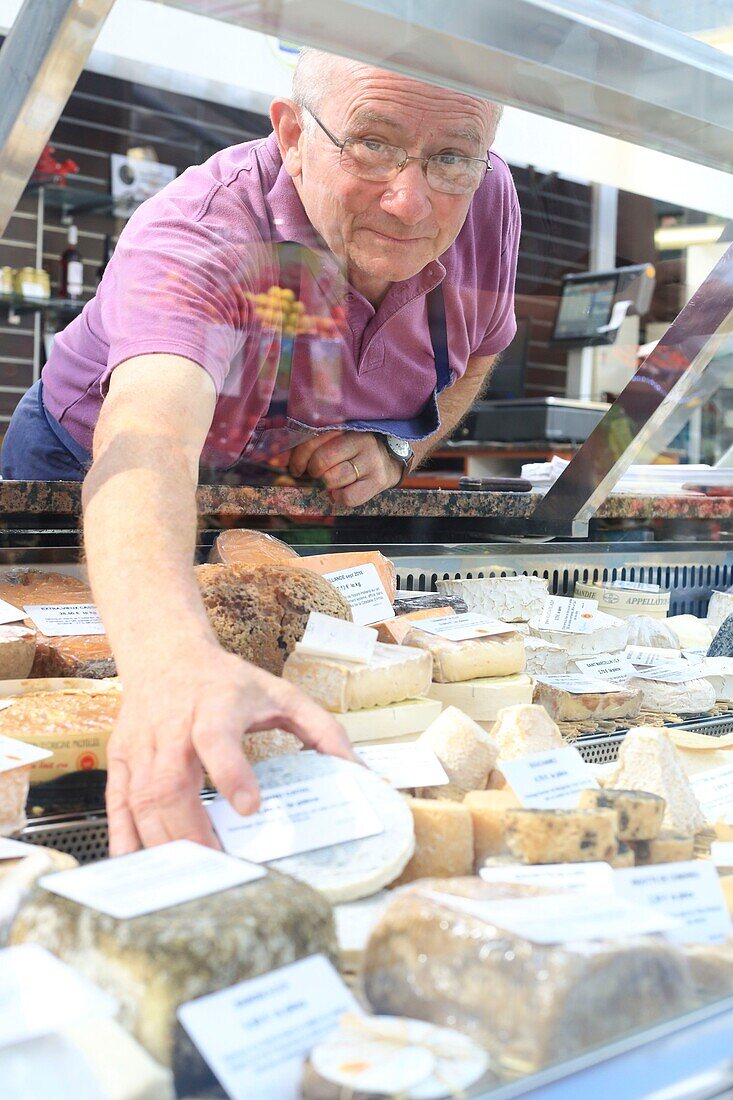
[[183, 281]]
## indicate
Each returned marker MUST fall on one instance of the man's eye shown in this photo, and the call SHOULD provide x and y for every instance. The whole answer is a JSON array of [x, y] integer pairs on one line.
[[447, 159], [373, 145]]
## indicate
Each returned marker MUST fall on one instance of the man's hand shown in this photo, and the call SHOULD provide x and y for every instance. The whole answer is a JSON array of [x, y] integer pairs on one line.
[[354, 466], [192, 719]]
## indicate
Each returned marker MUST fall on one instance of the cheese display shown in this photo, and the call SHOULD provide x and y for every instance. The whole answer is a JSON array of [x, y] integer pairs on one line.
[[525, 729], [466, 751], [260, 613], [648, 761], [488, 809], [242, 547], [394, 631], [392, 674], [483, 699], [561, 836], [719, 608], [453, 662], [530, 1005], [545, 658], [511, 599], [667, 847], [80, 655], [691, 632], [406, 602], [689, 697], [385, 725], [606, 635], [19, 876], [443, 841], [568, 706], [17, 651], [156, 961], [651, 633], [356, 868], [640, 813]]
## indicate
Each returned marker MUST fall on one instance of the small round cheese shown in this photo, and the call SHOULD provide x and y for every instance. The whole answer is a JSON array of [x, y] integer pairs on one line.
[[691, 697]]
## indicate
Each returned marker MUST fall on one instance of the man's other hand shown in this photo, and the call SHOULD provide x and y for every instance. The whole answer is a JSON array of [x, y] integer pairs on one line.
[[354, 466]]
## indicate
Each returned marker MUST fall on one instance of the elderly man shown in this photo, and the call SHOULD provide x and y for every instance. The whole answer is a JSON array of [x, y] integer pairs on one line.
[[375, 197]]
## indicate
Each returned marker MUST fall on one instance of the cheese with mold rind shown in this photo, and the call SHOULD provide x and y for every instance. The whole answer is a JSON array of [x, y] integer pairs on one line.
[[691, 632], [561, 836], [667, 847], [465, 750], [719, 608], [393, 674], [648, 761], [545, 658], [690, 697], [511, 599], [608, 635], [566, 706], [453, 662], [525, 729], [640, 813]]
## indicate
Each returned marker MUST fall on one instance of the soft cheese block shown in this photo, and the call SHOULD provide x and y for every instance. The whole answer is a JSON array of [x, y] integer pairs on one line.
[[566, 706], [691, 632], [607, 635], [666, 847], [466, 751], [392, 674], [719, 608], [511, 599], [561, 836], [454, 662], [483, 699], [648, 761], [530, 1005], [525, 729], [690, 697], [488, 809], [356, 868], [545, 658], [443, 841], [640, 813], [386, 725], [651, 633]]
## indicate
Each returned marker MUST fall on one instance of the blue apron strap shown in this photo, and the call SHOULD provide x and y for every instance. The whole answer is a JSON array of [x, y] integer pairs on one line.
[[439, 336]]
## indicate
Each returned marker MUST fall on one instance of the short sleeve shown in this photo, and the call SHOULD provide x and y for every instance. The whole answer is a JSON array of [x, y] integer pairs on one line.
[[503, 323]]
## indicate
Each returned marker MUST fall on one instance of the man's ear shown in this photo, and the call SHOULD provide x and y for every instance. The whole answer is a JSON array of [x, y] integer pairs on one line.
[[284, 115]]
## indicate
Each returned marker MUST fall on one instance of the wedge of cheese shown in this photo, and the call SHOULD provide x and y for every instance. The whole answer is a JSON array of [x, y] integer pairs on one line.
[[562, 836], [386, 725], [691, 632], [511, 599], [466, 751], [545, 658], [648, 761], [640, 813], [525, 729], [393, 673], [488, 810], [566, 706], [443, 841], [454, 662], [719, 608], [394, 631], [607, 635], [482, 699]]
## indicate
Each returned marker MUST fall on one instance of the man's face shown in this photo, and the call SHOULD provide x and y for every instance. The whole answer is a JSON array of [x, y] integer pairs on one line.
[[387, 232]]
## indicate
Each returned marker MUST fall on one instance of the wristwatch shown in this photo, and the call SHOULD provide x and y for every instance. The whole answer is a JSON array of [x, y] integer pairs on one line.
[[402, 451]]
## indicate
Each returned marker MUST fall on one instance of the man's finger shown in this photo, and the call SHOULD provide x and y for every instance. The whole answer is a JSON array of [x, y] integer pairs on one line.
[[123, 836], [218, 742], [178, 808], [316, 728], [342, 474], [359, 492], [300, 456]]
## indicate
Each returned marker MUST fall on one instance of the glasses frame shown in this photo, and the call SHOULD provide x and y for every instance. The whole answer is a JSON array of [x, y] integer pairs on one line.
[[403, 163]]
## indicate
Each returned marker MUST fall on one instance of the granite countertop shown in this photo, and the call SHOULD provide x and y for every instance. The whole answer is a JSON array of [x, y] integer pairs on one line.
[[64, 499]]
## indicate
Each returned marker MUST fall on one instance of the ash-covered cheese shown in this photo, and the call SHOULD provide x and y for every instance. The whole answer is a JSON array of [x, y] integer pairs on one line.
[[525, 729], [640, 813], [566, 706], [648, 761], [545, 658], [393, 673], [453, 662], [443, 841], [561, 836], [482, 699], [356, 868], [691, 632], [667, 847], [511, 599], [466, 751], [690, 697], [651, 633], [719, 608], [488, 810], [607, 635]]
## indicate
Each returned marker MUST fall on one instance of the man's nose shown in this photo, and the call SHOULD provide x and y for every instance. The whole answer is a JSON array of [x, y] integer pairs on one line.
[[407, 197]]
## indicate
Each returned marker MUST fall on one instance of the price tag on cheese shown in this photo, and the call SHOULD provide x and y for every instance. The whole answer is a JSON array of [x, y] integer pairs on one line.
[[647, 656], [328, 637], [156, 878], [614, 667], [721, 853], [549, 780], [696, 655], [595, 877], [58, 620], [9, 613], [296, 817], [713, 666], [690, 892], [674, 672], [363, 590], [256, 1034], [405, 765], [714, 791], [464, 627], [578, 684], [15, 849], [67, 996], [635, 586], [568, 615], [17, 754]]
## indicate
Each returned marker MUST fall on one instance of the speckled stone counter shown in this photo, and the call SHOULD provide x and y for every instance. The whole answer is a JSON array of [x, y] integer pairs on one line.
[[64, 499]]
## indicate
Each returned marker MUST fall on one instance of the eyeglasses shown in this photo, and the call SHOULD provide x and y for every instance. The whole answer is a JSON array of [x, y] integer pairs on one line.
[[370, 159]]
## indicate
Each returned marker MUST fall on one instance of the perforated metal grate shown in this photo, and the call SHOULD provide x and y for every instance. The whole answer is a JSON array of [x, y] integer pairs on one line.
[[85, 839]]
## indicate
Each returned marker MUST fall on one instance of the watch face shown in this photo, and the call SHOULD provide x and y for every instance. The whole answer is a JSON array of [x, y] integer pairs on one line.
[[400, 447]]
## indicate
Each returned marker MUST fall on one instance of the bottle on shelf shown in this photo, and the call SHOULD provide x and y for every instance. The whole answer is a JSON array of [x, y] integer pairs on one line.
[[106, 257], [71, 274]]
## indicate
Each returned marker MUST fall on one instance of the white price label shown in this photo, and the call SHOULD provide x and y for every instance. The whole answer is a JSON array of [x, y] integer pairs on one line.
[[674, 672], [156, 878], [405, 765], [15, 849], [714, 791], [9, 613], [464, 627], [713, 666], [58, 620], [256, 1035], [690, 892], [648, 656], [328, 637], [614, 667], [578, 684], [568, 615], [580, 877], [364, 592], [696, 655], [635, 586], [549, 780], [17, 754], [296, 817]]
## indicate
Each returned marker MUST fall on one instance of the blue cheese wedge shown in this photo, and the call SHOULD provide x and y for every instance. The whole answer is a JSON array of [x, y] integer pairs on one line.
[[392, 674]]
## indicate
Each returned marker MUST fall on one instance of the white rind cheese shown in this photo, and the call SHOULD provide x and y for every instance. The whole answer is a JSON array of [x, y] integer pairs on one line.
[[465, 750], [453, 662], [523, 730], [691, 697], [719, 608], [393, 674], [383, 725], [651, 633], [608, 635], [648, 761], [691, 632], [357, 868], [483, 699], [722, 686], [545, 658], [511, 599]]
